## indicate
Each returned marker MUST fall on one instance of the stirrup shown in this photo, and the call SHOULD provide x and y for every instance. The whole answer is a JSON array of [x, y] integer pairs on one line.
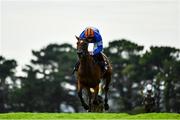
[[74, 70]]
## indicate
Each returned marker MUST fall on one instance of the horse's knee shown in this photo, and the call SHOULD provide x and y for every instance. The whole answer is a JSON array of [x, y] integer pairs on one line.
[[80, 94]]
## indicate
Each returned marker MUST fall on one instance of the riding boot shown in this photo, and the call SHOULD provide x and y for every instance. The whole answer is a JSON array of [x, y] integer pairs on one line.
[[103, 65], [76, 66], [100, 61]]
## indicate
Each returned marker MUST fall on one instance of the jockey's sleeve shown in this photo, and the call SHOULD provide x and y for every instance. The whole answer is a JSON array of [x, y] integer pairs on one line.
[[99, 44], [82, 35], [98, 50]]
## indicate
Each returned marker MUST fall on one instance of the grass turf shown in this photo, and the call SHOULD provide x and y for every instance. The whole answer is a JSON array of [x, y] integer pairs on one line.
[[94, 116]]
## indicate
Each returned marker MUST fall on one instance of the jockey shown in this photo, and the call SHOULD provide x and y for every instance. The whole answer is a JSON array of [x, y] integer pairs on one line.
[[149, 99], [93, 36], [149, 93], [149, 90]]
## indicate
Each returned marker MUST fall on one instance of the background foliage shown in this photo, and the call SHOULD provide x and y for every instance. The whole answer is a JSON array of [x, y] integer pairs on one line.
[[46, 85]]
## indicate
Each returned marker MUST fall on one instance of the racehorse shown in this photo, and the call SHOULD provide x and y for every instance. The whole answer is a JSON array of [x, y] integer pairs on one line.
[[149, 98], [149, 104], [89, 75]]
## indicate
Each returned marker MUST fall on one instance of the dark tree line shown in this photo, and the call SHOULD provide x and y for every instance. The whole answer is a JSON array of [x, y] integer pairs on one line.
[[46, 85]]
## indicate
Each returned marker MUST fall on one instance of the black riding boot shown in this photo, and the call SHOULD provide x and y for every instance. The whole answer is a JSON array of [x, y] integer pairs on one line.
[[100, 61], [76, 67]]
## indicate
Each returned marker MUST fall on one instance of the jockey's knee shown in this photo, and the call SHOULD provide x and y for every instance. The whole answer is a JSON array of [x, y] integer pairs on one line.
[[98, 57]]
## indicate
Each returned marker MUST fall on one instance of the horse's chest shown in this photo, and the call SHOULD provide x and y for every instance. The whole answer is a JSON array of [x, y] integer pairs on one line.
[[89, 77], [89, 81]]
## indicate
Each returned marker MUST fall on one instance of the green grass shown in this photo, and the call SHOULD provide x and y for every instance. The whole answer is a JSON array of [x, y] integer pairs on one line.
[[104, 116]]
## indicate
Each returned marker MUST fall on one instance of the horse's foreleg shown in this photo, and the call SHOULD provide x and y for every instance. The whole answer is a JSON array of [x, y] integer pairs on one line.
[[90, 97], [81, 98], [106, 89], [96, 90]]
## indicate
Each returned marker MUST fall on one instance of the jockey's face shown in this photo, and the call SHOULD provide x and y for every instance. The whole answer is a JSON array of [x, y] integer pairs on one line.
[[90, 39]]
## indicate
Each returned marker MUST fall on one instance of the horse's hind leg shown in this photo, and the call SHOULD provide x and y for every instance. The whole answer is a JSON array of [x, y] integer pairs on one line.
[[81, 98], [106, 88]]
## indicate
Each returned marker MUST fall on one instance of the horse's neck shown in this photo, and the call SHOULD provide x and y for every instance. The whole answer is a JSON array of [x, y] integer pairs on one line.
[[86, 63]]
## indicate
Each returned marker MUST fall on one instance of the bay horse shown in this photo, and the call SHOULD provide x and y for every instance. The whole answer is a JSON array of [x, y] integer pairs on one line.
[[89, 75]]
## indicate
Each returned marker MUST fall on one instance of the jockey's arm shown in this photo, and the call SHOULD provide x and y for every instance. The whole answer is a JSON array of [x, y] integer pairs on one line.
[[98, 49], [98, 43], [82, 35]]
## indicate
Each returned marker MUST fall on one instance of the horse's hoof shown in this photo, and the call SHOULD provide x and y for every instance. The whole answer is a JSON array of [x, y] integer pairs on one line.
[[86, 107], [89, 110], [106, 106]]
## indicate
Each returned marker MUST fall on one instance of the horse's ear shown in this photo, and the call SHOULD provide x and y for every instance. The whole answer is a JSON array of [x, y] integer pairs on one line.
[[77, 37]]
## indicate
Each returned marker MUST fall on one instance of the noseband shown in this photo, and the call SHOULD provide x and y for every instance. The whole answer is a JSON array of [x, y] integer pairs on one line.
[[82, 51]]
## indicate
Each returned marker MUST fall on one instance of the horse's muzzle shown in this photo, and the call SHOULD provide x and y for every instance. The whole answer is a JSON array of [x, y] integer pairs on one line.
[[80, 53]]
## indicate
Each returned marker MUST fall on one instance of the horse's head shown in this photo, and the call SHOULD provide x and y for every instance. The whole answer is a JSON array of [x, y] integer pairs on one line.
[[82, 47]]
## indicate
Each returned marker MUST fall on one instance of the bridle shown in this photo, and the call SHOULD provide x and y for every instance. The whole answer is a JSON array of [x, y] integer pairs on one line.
[[82, 50]]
